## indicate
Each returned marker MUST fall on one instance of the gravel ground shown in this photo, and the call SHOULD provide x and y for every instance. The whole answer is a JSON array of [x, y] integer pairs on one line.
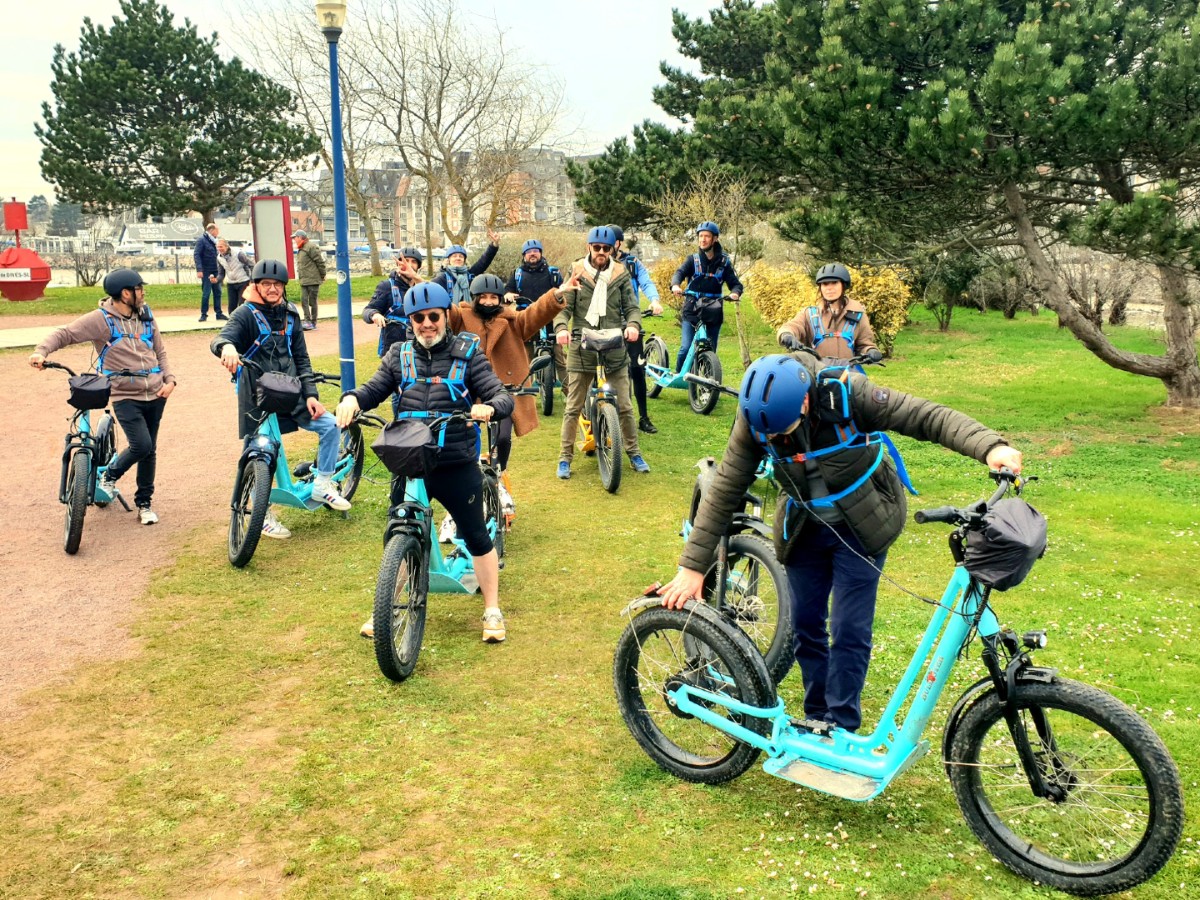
[[61, 611]]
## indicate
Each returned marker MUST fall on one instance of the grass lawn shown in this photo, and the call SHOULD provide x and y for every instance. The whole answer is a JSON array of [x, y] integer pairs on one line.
[[253, 745], [76, 301]]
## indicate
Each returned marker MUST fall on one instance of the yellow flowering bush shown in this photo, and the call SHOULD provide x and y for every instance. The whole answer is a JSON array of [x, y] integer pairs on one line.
[[661, 273], [779, 292]]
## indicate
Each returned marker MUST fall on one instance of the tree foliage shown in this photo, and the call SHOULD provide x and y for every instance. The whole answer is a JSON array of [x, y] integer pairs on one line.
[[882, 129], [147, 114]]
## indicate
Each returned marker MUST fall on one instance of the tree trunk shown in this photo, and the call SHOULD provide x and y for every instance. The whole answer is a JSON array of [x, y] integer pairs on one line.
[[1179, 370]]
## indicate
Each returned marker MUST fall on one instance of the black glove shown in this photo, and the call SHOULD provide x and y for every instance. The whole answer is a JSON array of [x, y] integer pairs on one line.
[[789, 341]]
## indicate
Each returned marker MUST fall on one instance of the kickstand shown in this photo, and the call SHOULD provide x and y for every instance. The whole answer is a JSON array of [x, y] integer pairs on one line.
[[124, 502]]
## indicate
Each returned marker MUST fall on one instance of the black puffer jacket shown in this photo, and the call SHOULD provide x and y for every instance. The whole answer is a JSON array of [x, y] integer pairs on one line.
[[876, 510], [531, 282], [481, 382], [273, 355], [382, 302]]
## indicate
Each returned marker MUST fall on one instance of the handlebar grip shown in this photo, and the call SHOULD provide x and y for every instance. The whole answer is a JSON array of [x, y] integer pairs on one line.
[[938, 514]]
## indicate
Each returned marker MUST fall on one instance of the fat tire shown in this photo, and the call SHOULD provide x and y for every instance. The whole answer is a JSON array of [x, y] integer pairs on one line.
[[352, 443], [982, 730], [609, 446], [704, 400], [644, 707], [251, 497], [770, 630], [546, 379], [655, 353], [403, 568], [492, 511], [78, 476]]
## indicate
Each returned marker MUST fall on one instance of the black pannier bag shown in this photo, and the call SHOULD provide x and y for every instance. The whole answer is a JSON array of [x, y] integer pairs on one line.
[[88, 391], [277, 393], [709, 309], [1013, 537], [601, 340], [408, 448]]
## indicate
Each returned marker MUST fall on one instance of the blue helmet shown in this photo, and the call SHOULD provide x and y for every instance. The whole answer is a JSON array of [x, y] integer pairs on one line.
[[531, 244], [618, 232], [772, 393], [426, 295], [602, 234], [710, 227], [457, 248]]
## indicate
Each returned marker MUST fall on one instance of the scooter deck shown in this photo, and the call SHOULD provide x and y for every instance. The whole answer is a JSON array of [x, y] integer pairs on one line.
[[846, 785]]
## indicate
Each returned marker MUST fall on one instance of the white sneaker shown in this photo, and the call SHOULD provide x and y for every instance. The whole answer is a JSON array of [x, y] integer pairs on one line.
[[325, 491], [147, 516], [108, 485], [448, 532], [273, 528], [493, 627], [368, 628], [508, 506]]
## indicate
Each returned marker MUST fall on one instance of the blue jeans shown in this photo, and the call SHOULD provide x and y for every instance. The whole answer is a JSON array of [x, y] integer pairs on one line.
[[833, 676], [688, 334], [329, 443], [208, 289]]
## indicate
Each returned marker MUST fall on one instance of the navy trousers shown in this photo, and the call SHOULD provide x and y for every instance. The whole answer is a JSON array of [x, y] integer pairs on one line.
[[833, 675]]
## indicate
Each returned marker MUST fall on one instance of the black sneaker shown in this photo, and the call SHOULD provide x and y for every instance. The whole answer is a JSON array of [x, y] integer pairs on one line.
[[644, 424], [221, 317]]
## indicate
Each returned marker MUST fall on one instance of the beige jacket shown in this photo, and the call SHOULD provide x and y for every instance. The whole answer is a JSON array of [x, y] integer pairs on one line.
[[129, 352]]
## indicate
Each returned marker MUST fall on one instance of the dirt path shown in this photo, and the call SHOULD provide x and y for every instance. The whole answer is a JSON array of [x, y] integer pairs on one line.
[[59, 611]]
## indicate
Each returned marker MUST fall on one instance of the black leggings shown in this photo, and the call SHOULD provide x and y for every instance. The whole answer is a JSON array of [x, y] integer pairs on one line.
[[459, 488], [504, 441], [637, 373], [139, 420]]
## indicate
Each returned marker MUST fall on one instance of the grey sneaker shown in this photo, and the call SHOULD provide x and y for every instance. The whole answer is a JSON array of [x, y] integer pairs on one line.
[[493, 626], [147, 516], [368, 628], [108, 485]]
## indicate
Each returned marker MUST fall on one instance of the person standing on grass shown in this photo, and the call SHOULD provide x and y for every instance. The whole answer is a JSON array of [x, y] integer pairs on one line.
[[643, 284], [706, 271], [205, 256], [235, 272], [310, 269], [126, 338], [441, 372], [603, 300], [837, 326], [841, 508]]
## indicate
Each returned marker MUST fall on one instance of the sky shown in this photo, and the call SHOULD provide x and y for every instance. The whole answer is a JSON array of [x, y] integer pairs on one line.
[[556, 34]]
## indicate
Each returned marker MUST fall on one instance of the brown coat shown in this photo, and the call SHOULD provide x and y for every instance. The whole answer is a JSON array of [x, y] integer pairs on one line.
[[502, 341], [833, 320]]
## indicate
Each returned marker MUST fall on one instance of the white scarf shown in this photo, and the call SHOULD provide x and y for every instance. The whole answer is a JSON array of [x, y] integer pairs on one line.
[[599, 302]]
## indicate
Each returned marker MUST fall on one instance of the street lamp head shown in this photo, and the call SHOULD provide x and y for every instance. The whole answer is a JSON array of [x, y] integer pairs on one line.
[[331, 15]]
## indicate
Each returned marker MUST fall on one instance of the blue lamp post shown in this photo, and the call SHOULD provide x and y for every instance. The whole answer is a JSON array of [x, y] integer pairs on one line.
[[331, 16]]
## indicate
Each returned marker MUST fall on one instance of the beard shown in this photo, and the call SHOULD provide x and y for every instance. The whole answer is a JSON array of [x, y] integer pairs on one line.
[[430, 343]]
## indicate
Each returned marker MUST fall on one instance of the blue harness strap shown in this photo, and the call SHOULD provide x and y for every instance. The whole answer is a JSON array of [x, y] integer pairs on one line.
[[455, 380], [394, 315], [264, 332], [849, 323], [116, 334]]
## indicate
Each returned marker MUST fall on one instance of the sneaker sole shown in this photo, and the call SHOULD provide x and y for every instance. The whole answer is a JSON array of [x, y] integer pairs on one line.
[[493, 637], [278, 537]]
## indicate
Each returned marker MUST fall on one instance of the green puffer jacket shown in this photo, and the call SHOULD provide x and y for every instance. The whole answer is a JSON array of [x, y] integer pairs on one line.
[[876, 510], [621, 309], [310, 264]]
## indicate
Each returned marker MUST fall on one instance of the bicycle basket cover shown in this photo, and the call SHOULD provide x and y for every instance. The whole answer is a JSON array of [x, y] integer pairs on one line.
[[709, 309], [1013, 537], [407, 447], [600, 340], [88, 391], [277, 392]]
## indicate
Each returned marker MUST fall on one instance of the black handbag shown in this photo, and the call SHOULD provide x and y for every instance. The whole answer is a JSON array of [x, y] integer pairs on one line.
[[89, 391], [599, 340], [408, 448], [277, 393]]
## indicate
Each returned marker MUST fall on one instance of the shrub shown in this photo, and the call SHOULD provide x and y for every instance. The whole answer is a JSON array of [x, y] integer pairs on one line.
[[660, 273], [780, 292]]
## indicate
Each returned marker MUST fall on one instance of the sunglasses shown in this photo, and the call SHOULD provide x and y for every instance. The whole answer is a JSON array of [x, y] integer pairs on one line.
[[601, 248], [420, 317]]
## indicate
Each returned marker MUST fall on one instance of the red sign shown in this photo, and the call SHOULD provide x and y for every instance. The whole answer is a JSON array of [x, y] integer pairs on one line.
[[14, 217]]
